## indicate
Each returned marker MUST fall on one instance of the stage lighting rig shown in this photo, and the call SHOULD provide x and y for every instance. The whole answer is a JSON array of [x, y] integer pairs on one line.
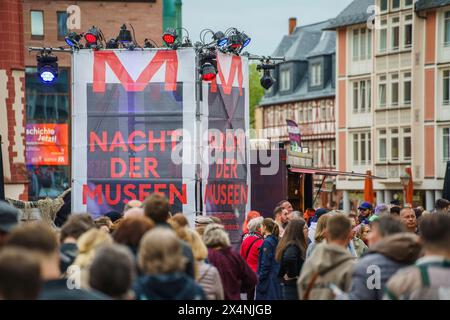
[[73, 40], [47, 66]]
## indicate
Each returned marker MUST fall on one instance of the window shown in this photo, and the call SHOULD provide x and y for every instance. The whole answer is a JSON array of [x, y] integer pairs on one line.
[[369, 44], [285, 80], [446, 88], [382, 92], [447, 29], [395, 4], [61, 17], [382, 144], [361, 96], [394, 90], [37, 23], [395, 33], [408, 3], [407, 89], [446, 138], [300, 115], [362, 148], [394, 145], [383, 5], [407, 144], [362, 44], [316, 74], [383, 36], [408, 32]]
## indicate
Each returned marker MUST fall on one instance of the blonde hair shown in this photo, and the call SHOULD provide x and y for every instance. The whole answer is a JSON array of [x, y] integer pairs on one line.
[[321, 228], [88, 243], [215, 236], [199, 249], [160, 252]]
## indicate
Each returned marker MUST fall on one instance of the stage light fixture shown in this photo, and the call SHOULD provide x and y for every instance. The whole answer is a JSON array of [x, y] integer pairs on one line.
[[208, 65], [112, 44], [91, 36], [47, 67], [124, 36], [148, 44], [221, 39], [169, 37], [245, 40], [266, 80], [73, 39]]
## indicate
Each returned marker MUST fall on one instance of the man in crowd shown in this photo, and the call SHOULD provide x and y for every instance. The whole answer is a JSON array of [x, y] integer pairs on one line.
[[365, 211], [390, 248], [156, 207], [39, 238], [70, 232], [442, 206], [330, 264], [286, 205], [409, 220], [9, 218], [280, 215], [429, 278]]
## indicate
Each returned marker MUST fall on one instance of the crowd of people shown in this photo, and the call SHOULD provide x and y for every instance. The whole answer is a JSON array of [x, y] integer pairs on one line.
[[146, 253]]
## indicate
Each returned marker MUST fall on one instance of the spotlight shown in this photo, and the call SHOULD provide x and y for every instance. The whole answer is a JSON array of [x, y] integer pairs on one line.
[[245, 40], [124, 35], [47, 67], [91, 36], [266, 80], [221, 39], [112, 44], [73, 39], [148, 44], [208, 65], [169, 37], [235, 41]]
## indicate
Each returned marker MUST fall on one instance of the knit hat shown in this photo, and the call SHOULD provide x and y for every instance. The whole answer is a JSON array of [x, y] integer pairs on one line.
[[203, 220]]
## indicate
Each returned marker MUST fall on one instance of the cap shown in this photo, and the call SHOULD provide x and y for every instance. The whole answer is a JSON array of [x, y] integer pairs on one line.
[[365, 206], [9, 217], [203, 220]]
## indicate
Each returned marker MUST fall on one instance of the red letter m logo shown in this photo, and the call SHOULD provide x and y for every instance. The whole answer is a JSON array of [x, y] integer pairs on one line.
[[101, 58], [227, 85]]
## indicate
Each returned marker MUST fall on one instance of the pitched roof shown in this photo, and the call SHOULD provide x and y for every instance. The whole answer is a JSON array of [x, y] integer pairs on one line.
[[429, 4], [326, 45], [355, 13]]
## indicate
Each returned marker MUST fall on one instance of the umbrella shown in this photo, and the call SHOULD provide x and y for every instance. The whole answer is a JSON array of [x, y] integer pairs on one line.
[[409, 187], [368, 188], [446, 191]]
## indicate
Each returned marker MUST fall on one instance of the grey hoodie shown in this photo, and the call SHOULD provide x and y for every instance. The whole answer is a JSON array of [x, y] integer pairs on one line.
[[333, 264]]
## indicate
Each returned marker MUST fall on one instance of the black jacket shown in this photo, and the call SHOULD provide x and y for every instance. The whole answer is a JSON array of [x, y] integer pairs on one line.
[[59, 290], [291, 264]]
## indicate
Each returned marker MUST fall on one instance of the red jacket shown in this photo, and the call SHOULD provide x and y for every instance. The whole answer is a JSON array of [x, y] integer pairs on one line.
[[250, 254]]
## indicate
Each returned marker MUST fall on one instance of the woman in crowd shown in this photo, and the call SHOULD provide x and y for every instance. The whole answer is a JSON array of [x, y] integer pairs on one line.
[[251, 215], [362, 232], [162, 263], [319, 234], [87, 245], [208, 276], [268, 287], [291, 253], [358, 245], [234, 272], [131, 231]]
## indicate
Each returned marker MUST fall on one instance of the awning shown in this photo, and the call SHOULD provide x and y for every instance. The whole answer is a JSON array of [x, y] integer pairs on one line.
[[333, 173]]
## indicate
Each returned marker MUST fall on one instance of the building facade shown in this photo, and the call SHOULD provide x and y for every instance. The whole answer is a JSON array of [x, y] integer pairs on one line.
[[390, 111], [304, 91]]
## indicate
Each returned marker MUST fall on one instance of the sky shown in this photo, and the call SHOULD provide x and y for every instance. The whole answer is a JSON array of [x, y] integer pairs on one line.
[[265, 21]]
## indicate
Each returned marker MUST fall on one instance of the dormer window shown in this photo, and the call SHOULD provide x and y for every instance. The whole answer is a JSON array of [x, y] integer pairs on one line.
[[285, 80], [316, 74]]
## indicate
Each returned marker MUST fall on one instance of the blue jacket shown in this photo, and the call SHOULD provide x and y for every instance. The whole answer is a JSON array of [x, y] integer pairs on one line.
[[268, 287]]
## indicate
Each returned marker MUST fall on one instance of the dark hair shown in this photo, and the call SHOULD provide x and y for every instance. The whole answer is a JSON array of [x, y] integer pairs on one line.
[[338, 227], [156, 207], [73, 229], [395, 210], [435, 231], [388, 225], [271, 226], [442, 204], [112, 270], [34, 236], [20, 275], [84, 217], [293, 235], [279, 204], [131, 230], [277, 211]]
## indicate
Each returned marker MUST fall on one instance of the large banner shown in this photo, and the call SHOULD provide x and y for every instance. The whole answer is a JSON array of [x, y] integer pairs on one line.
[[226, 175], [133, 124]]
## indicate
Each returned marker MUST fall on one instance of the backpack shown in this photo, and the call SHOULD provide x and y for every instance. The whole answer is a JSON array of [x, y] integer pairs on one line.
[[431, 288]]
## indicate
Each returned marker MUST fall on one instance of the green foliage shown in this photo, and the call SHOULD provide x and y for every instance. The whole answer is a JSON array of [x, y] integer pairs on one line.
[[256, 91]]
